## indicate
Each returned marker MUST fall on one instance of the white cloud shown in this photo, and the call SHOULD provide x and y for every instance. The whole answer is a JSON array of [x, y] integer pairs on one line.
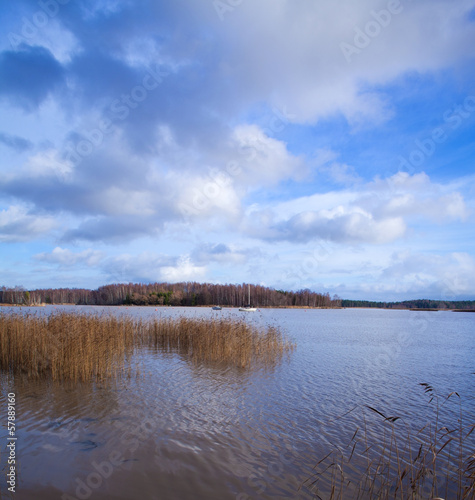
[[129, 201], [404, 275], [340, 224], [152, 267], [183, 270], [208, 142], [440, 276], [377, 212], [406, 195], [47, 163], [58, 40], [267, 160], [341, 173], [294, 49], [18, 224], [251, 160], [205, 196], [142, 267], [227, 255], [67, 258]]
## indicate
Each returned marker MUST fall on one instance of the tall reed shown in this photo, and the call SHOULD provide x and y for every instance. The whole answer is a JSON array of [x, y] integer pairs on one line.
[[218, 341], [388, 459], [69, 346]]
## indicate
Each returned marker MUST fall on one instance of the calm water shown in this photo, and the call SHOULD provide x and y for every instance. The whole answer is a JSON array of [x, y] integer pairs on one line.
[[182, 431]]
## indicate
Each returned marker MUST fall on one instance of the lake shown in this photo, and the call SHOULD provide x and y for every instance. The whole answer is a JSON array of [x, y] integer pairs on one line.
[[190, 431]]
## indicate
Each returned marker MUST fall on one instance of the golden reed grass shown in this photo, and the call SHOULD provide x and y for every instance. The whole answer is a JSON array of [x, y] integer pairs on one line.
[[382, 461], [85, 347], [215, 341]]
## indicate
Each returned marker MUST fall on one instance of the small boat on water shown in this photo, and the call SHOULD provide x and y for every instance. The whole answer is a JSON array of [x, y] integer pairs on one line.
[[248, 308], [217, 308]]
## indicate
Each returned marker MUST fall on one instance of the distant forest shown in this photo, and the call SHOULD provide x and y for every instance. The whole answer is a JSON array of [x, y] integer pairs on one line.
[[205, 294], [413, 304], [176, 294]]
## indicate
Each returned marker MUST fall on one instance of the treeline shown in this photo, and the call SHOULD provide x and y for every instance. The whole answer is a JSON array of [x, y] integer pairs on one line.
[[412, 304], [176, 294]]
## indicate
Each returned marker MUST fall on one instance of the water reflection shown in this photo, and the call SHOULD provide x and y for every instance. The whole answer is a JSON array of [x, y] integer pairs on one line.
[[199, 430]]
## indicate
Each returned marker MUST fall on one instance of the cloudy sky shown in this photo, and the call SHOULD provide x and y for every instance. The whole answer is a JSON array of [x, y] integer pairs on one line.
[[297, 144]]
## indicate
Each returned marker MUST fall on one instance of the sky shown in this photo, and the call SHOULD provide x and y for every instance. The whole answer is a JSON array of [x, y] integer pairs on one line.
[[294, 144]]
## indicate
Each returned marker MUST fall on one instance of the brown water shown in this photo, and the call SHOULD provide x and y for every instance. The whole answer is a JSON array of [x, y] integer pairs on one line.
[[185, 431]]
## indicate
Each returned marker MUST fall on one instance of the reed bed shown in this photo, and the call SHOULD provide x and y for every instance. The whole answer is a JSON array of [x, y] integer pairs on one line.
[[387, 459], [214, 341], [65, 346], [84, 347]]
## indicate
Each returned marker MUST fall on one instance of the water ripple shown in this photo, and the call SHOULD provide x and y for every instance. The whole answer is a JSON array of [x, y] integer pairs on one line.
[[193, 431]]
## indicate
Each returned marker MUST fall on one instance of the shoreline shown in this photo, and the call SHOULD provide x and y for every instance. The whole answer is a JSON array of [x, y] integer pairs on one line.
[[237, 307]]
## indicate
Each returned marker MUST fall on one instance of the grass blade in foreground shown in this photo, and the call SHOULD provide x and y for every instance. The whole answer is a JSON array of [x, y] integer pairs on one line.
[[392, 460]]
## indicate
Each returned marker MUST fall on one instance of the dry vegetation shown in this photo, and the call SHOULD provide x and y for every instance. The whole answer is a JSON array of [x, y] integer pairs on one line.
[[82, 347], [227, 341], [386, 459]]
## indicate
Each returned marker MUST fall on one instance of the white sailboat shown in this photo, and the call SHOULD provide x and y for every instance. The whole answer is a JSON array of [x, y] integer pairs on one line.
[[248, 308]]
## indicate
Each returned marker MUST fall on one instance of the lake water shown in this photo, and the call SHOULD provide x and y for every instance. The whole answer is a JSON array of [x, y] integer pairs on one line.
[[185, 431]]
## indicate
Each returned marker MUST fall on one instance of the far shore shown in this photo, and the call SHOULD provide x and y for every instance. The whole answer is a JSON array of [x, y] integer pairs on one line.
[[157, 306]]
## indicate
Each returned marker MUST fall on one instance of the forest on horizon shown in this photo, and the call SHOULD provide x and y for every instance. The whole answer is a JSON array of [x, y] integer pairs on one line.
[[170, 294], [205, 294]]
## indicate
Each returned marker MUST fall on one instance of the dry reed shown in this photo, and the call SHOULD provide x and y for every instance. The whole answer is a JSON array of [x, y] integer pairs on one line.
[[215, 341], [430, 463], [84, 347]]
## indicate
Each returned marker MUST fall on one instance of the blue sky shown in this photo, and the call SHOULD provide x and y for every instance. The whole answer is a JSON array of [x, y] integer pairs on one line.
[[294, 144]]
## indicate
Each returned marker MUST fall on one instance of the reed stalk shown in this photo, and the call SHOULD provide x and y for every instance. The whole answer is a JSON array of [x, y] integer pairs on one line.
[[85, 347], [402, 463]]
